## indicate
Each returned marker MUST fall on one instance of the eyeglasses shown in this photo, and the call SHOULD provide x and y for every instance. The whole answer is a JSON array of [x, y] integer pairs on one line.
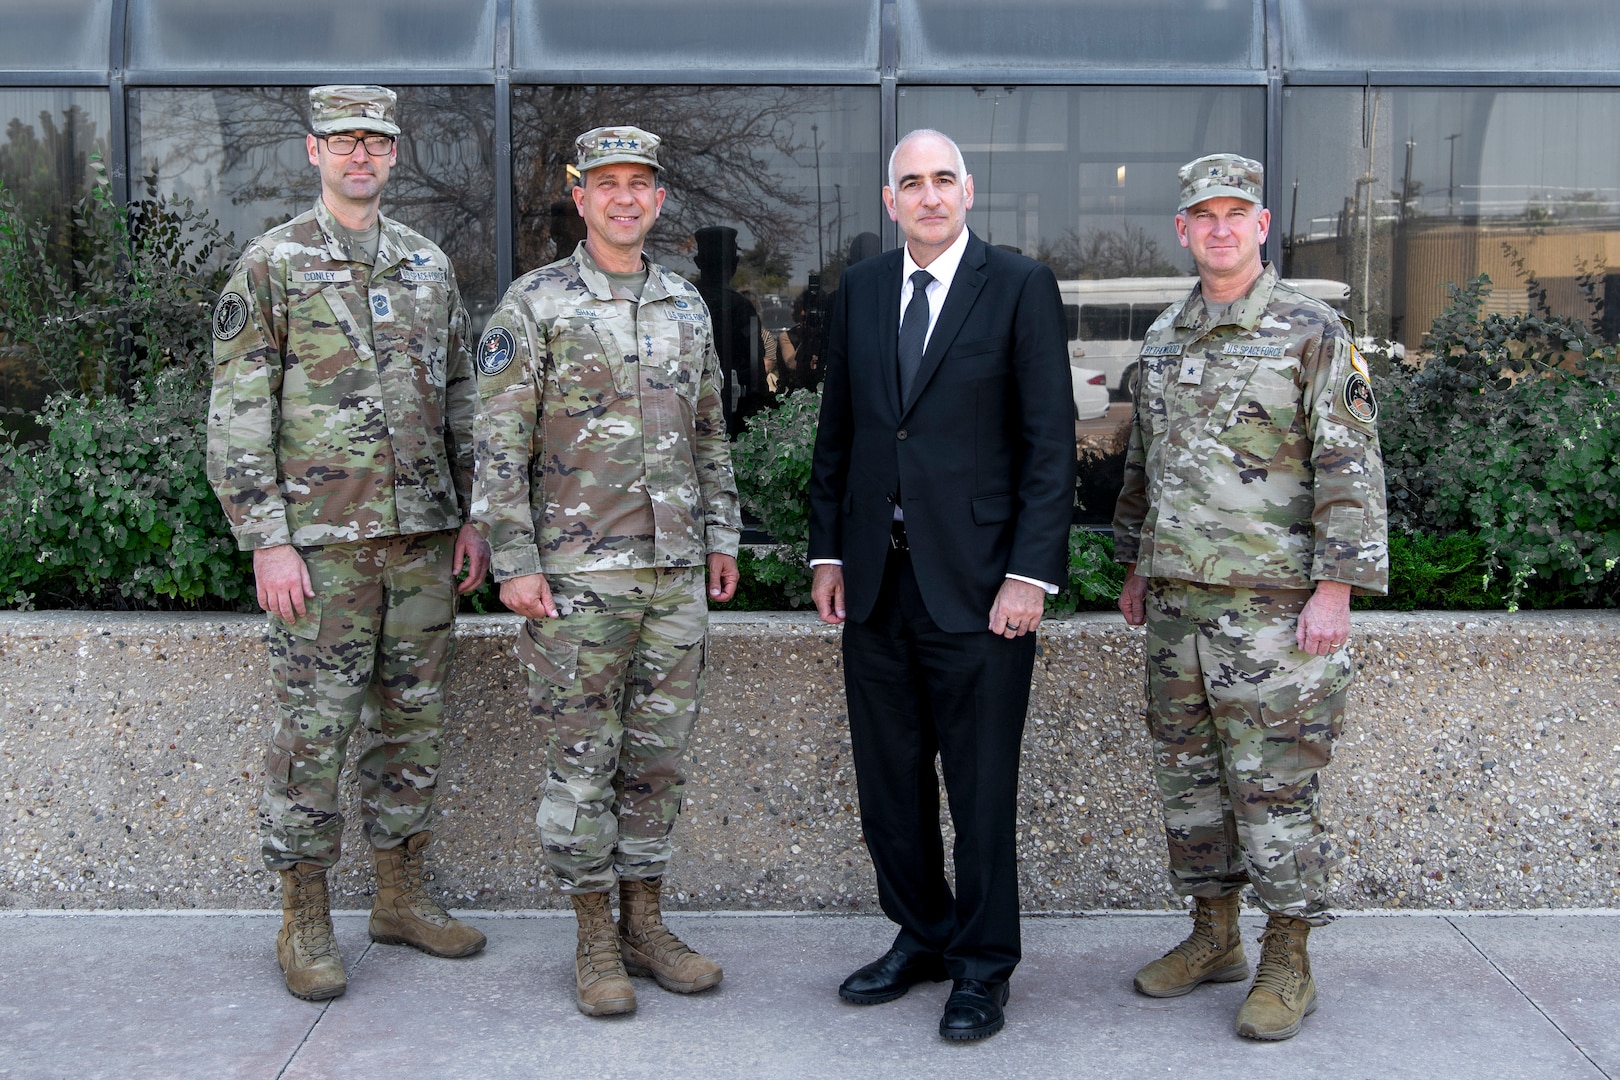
[[343, 145]]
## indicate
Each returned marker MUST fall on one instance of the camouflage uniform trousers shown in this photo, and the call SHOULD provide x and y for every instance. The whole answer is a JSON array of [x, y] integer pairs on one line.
[[374, 645], [616, 681], [1244, 721]]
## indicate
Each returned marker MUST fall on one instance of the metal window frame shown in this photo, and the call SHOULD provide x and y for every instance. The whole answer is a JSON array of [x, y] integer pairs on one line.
[[116, 79]]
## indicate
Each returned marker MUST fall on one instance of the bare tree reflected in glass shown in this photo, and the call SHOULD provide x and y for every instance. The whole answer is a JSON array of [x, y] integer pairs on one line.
[[732, 157], [244, 147]]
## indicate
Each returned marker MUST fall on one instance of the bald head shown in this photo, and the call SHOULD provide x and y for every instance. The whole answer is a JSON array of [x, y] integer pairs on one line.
[[926, 133]]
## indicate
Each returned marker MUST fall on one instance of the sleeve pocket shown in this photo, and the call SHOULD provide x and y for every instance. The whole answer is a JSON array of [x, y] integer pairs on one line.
[[1345, 525]]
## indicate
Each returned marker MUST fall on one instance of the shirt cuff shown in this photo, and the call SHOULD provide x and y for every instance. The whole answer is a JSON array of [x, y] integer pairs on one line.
[[826, 562], [1051, 590], [518, 560], [264, 532], [721, 540]]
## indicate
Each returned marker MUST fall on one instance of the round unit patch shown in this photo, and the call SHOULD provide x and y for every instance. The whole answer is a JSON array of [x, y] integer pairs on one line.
[[1358, 398], [230, 315], [495, 351]]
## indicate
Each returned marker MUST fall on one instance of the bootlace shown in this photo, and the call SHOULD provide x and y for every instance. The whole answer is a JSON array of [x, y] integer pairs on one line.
[[416, 897], [649, 932], [1276, 971], [655, 937], [1202, 939], [599, 941], [312, 919]]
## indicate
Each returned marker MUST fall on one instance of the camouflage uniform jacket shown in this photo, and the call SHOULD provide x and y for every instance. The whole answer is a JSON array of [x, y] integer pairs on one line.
[[343, 396], [1254, 459], [601, 443]]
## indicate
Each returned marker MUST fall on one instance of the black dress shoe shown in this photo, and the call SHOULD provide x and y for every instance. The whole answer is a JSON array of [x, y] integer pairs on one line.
[[890, 976], [973, 1010]]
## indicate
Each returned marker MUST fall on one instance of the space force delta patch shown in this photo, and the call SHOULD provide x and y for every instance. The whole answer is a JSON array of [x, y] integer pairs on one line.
[[1357, 395], [495, 351], [230, 316]]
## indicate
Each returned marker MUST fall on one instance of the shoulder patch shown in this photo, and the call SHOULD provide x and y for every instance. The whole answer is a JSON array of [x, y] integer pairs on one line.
[[1357, 395], [495, 351], [230, 316], [1358, 363]]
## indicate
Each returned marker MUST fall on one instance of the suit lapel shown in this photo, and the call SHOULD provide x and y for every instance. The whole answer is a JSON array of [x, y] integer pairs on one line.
[[888, 330], [958, 302]]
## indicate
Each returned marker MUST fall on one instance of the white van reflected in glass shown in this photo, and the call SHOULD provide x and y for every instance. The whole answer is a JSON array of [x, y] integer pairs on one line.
[[1109, 318]]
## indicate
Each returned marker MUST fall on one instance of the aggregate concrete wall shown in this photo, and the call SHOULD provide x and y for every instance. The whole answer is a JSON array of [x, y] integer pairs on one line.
[[1480, 768]]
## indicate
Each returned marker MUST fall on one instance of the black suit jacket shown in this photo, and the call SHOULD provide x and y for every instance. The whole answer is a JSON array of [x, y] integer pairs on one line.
[[982, 456]]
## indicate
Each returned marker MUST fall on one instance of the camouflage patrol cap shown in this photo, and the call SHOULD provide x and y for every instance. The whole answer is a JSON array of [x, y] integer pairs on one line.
[[615, 145], [1218, 175], [352, 108]]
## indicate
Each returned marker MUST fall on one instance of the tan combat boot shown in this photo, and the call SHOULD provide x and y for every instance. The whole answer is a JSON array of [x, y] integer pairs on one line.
[[306, 948], [1284, 993], [1213, 952], [404, 914], [601, 988], [651, 948]]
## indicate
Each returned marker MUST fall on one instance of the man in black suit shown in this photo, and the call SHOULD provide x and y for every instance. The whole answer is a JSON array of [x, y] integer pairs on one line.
[[940, 499]]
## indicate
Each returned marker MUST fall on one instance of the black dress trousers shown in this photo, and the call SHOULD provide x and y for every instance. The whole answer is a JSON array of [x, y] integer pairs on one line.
[[916, 692]]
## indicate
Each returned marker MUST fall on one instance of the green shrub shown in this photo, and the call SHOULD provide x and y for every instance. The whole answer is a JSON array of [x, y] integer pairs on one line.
[[772, 459], [1447, 572], [114, 508], [1508, 432], [135, 301], [1094, 577]]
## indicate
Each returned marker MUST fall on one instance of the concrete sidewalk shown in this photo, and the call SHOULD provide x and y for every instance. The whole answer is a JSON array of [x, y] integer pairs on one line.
[[180, 995]]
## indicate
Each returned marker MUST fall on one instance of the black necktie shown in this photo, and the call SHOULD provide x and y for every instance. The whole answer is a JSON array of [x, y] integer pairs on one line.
[[913, 332]]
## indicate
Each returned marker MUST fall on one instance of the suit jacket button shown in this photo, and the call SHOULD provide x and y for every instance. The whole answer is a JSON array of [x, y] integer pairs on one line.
[[901, 434]]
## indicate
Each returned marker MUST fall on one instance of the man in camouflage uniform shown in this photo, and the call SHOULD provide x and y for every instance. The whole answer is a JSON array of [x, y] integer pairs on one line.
[[605, 487], [1253, 506], [340, 445]]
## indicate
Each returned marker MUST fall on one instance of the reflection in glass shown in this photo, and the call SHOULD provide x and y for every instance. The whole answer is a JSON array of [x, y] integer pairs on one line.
[[941, 35], [770, 191], [240, 152], [1400, 191], [1084, 180], [52, 138]]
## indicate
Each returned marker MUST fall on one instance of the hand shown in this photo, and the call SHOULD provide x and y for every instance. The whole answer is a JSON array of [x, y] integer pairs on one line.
[[1324, 624], [529, 595], [723, 577], [283, 581], [471, 551], [1133, 597], [827, 590], [1017, 610]]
